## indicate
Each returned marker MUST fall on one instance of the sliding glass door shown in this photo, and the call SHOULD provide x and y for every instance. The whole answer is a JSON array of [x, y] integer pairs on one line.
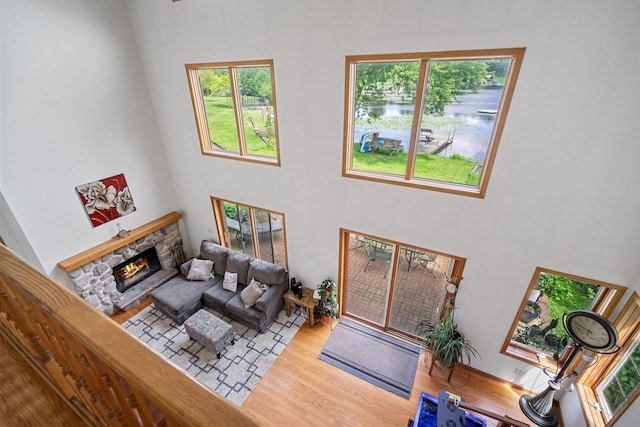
[[253, 231], [391, 285]]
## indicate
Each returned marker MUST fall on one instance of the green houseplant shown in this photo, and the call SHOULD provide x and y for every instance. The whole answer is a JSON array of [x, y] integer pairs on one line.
[[327, 305], [446, 343]]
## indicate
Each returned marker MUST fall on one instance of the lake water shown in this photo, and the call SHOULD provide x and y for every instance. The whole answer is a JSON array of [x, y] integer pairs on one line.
[[471, 138]]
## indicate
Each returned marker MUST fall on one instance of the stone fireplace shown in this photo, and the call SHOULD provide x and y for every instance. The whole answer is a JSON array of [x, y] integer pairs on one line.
[[93, 272]]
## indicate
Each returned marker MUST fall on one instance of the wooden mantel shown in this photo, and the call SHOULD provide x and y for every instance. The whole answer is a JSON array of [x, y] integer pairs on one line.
[[84, 257]]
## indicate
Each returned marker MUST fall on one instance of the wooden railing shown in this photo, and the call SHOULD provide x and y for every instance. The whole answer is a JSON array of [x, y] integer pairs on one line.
[[107, 376]]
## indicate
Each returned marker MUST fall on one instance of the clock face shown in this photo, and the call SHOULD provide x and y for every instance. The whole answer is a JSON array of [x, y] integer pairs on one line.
[[591, 330]]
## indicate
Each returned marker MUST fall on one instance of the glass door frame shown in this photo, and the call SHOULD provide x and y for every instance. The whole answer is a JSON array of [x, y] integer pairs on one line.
[[455, 276]]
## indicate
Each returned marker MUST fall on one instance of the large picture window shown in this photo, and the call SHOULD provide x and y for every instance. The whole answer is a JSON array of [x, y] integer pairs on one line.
[[431, 120], [235, 109], [250, 230], [537, 334]]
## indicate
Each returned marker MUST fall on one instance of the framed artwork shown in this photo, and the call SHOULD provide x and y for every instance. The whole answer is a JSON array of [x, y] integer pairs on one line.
[[106, 199]]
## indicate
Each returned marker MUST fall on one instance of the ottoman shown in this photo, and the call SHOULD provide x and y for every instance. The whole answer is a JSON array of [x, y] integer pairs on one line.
[[210, 331]]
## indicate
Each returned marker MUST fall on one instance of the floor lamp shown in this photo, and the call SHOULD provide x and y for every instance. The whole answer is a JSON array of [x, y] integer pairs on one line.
[[588, 330]]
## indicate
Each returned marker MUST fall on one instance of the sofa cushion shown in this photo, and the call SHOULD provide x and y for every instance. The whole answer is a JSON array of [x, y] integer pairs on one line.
[[216, 253], [239, 263], [230, 281], [249, 316], [200, 269], [177, 295], [216, 297], [270, 297], [265, 272]]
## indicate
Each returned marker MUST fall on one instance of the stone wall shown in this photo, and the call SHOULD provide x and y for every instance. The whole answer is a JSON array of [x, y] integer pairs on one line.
[[94, 281]]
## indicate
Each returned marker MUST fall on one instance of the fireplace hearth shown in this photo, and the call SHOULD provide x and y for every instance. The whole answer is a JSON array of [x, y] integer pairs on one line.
[[135, 269]]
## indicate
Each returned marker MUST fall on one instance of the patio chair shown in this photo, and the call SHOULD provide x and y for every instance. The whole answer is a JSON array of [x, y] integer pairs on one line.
[[378, 251], [360, 242], [423, 259]]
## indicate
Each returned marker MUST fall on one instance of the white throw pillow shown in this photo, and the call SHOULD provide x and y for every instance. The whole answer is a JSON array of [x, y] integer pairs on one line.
[[230, 282], [250, 294], [200, 269]]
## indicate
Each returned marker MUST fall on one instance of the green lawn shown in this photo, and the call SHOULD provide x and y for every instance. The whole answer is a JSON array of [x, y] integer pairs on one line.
[[222, 127], [455, 169]]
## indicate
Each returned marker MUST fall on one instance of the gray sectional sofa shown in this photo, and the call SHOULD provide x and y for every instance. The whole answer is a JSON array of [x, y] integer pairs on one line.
[[180, 297]]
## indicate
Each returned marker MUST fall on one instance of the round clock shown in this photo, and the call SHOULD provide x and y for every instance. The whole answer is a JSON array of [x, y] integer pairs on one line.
[[591, 330]]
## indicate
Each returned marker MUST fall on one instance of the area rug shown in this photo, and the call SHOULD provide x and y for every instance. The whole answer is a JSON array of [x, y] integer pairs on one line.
[[241, 365], [377, 358]]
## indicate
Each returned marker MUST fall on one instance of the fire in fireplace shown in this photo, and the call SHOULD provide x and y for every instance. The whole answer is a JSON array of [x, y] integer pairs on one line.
[[136, 269]]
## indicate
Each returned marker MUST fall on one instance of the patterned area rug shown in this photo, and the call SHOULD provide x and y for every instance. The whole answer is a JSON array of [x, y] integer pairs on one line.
[[377, 358], [241, 366]]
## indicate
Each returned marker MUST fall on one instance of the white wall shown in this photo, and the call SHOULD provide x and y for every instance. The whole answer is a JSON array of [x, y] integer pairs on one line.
[[75, 108], [563, 193]]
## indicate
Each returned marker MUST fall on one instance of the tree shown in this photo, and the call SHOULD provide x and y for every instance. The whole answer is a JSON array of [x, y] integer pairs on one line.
[[375, 82], [256, 81], [215, 81], [447, 79]]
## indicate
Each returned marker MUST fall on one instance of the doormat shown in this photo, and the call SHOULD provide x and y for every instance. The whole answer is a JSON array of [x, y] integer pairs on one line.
[[241, 365], [377, 358]]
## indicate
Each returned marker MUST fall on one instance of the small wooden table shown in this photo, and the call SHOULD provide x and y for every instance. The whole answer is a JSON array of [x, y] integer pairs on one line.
[[307, 301]]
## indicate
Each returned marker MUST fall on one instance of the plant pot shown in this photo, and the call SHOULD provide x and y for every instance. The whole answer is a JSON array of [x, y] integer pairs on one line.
[[326, 319]]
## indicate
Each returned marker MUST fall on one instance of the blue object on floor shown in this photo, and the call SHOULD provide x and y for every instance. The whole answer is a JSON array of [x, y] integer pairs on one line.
[[426, 414]]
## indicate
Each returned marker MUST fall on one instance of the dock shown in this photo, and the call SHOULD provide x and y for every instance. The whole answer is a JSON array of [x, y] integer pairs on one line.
[[436, 145]]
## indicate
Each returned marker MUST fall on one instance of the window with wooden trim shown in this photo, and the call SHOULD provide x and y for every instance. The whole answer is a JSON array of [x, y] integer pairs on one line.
[[235, 109], [537, 334], [392, 285], [250, 230], [609, 388], [430, 120]]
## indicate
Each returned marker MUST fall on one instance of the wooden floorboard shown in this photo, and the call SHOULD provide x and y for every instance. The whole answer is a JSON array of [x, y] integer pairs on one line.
[[300, 389]]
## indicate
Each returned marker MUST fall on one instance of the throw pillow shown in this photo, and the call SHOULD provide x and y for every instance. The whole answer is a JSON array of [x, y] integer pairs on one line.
[[230, 282], [250, 294], [184, 268], [200, 269]]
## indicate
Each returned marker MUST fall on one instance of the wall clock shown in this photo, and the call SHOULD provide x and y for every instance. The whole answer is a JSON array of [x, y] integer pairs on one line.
[[591, 330]]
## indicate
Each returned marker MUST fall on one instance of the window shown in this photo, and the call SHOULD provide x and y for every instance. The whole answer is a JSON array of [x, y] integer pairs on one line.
[[430, 120], [391, 285], [235, 109], [250, 230], [537, 334], [613, 384]]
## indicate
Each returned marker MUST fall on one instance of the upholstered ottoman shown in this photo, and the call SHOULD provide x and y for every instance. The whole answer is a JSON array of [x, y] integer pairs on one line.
[[210, 331]]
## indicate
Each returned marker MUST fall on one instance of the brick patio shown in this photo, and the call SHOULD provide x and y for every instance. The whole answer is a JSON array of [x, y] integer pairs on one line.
[[417, 290]]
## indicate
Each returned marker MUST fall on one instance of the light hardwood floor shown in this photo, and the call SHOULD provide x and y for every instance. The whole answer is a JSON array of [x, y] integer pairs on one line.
[[298, 390]]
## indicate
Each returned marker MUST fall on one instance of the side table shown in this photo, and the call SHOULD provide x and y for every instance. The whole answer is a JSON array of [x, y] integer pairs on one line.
[[307, 301]]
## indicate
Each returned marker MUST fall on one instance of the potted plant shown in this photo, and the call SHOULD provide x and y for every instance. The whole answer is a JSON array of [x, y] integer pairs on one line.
[[327, 305], [446, 343]]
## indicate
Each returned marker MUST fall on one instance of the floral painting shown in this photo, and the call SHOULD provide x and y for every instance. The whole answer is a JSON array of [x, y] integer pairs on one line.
[[106, 199]]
